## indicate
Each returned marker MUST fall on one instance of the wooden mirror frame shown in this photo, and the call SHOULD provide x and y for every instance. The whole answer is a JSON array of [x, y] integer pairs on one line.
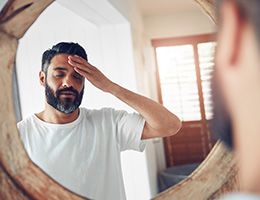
[[21, 179]]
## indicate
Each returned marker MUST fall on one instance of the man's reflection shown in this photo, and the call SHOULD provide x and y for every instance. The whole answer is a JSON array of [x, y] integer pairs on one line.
[[78, 147]]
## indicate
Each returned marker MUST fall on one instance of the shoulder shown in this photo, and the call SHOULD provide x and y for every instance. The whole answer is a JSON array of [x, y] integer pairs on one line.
[[25, 122], [25, 126]]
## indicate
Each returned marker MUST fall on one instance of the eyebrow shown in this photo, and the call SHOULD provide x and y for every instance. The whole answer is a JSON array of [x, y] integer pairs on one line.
[[60, 68]]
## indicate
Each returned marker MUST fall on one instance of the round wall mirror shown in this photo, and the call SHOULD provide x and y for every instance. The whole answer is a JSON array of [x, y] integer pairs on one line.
[[20, 178]]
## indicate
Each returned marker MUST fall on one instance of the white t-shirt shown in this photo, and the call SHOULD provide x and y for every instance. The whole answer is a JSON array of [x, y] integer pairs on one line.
[[241, 196], [84, 155]]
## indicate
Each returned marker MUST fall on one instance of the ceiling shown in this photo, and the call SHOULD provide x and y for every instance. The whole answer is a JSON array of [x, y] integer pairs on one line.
[[159, 7]]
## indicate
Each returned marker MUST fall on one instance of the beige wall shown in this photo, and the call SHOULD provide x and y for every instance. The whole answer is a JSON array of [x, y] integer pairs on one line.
[[178, 24]]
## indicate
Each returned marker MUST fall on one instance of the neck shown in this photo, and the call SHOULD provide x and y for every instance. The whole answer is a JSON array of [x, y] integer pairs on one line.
[[51, 115]]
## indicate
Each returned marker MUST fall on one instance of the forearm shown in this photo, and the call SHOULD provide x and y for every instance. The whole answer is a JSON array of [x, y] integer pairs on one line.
[[159, 121], [157, 116]]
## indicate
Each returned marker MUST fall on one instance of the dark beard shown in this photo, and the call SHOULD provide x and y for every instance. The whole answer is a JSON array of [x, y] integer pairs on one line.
[[67, 105], [221, 124]]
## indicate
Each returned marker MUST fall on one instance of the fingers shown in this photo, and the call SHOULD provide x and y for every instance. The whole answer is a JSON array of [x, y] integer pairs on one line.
[[85, 74], [80, 63], [83, 67], [81, 72], [79, 60]]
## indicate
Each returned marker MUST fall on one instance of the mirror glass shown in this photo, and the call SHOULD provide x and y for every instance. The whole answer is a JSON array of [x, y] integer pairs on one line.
[[161, 49]]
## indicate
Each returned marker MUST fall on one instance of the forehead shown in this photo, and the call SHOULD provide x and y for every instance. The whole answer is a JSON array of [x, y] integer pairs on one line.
[[60, 60]]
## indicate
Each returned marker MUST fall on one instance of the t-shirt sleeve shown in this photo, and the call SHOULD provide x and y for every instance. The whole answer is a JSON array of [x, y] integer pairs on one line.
[[21, 129], [129, 128]]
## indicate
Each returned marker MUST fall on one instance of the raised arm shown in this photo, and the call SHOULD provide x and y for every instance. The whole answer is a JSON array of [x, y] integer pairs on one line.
[[159, 122]]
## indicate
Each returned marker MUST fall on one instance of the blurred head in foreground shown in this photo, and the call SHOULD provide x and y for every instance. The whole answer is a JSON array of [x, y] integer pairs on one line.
[[236, 85]]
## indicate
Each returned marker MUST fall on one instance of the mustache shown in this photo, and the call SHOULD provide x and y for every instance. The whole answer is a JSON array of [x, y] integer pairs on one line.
[[69, 89]]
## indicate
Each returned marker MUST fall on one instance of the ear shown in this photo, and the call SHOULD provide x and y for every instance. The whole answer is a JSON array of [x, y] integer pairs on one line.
[[231, 28], [42, 78]]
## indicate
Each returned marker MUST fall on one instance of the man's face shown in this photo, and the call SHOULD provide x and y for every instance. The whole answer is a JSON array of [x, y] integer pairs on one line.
[[64, 87]]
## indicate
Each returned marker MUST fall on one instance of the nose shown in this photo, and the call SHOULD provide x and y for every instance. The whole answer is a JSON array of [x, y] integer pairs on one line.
[[66, 82]]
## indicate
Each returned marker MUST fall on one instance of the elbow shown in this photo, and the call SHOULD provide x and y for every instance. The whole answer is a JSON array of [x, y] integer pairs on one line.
[[175, 128], [179, 126]]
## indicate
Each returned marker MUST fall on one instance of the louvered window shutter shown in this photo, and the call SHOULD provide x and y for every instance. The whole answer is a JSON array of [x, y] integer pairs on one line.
[[185, 68], [206, 62], [178, 81]]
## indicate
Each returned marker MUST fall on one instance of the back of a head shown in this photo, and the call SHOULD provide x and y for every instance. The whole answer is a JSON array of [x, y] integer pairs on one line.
[[62, 48], [221, 126]]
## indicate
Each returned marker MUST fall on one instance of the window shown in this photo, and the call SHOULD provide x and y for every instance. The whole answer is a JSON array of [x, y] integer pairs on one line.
[[206, 64], [185, 68], [178, 81]]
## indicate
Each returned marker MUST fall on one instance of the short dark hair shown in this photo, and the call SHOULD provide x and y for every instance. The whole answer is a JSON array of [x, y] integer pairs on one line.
[[60, 48], [250, 11]]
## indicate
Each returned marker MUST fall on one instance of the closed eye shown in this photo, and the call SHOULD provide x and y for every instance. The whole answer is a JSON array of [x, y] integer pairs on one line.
[[78, 76], [59, 75]]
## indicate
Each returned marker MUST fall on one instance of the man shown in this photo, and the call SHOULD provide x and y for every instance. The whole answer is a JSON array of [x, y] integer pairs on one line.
[[237, 89], [78, 147]]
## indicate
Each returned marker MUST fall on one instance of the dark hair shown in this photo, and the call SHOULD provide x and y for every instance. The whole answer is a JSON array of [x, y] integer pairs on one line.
[[62, 47], [250, 11]]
